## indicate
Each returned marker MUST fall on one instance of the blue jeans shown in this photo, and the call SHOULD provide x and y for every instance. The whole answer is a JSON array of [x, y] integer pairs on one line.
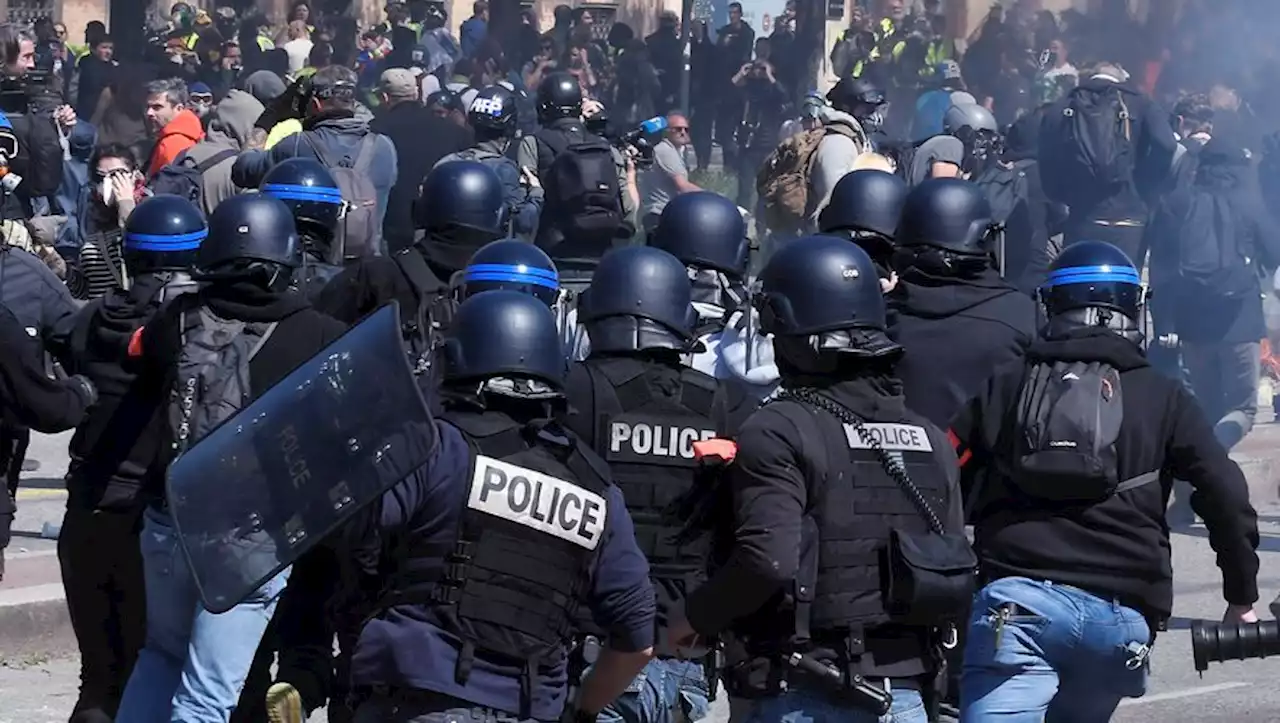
[[798, 705], [1069, 657], [666, 691], [194, 663]]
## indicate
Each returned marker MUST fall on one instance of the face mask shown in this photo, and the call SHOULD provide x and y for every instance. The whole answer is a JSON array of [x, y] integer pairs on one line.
[[107, 191]]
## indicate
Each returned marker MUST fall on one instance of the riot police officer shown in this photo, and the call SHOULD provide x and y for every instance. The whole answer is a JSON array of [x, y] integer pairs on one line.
[[950, 297], [494, 117], [635, 403], [865, 208], [514, 265], [311, 192], [1070, 511], [836, 465], [707, 233], [460, 209], [543, 528], [115, 446], [577, 225]]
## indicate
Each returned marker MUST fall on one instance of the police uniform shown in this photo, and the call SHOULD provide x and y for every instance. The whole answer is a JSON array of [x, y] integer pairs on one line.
[[642, 411], [491, 553], [827, 478], [310, 191]]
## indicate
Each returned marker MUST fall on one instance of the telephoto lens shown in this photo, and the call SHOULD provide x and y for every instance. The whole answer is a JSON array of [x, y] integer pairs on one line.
[[1214, 642]]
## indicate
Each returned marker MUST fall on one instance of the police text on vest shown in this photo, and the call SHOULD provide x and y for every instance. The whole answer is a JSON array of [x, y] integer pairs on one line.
[[892, 437], [655, 440], [538, 501]]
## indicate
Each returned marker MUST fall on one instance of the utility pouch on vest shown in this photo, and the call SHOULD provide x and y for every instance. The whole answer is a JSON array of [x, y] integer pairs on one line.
[[929, 577]]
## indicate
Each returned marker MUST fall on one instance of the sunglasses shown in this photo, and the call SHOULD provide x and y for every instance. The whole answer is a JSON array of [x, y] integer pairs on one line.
[[201, 98], [678, 129]]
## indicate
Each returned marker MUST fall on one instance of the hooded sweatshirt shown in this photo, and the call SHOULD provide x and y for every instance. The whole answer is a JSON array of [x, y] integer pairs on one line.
[[177, 136], [737, 352], [230, 124], [956, 332]]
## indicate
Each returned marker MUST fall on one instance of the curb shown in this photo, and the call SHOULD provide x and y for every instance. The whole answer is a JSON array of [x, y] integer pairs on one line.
[[34, 622]]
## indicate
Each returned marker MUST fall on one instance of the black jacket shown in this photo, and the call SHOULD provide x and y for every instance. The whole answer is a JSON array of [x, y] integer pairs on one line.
[[116, 446], [1153, 144], [956, 332], [28, 397], [39, 160], [301, 333], [367, 284], [1197, 317], [1118, 548], [421, 140]]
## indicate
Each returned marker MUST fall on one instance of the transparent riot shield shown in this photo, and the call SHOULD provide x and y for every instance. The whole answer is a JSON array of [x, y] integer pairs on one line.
[[269, 483]]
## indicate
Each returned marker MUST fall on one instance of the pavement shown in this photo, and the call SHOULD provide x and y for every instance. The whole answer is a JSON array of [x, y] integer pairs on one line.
[[38, 668]]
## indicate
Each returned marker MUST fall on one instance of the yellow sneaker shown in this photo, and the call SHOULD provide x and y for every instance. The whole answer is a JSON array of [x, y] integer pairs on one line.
[[284, 704]]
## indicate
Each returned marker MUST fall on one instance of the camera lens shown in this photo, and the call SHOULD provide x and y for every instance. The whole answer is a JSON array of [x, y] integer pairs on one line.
[[1212, 643]]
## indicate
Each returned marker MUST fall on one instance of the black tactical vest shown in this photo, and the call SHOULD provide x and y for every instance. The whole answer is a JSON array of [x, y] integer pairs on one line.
[[647, 439], [511, 583], [853, 503]]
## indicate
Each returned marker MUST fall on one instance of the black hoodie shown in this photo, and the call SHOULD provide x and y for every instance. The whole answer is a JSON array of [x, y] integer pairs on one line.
[[956, 333], [302, 332], [1118, 548], [117, 443]]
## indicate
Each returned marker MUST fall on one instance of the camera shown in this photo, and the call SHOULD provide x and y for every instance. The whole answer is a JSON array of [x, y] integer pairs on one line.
[[635, 141], [1216, 643]]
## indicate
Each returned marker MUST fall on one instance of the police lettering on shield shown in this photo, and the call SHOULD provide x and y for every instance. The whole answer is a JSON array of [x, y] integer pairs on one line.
[[538, 501]]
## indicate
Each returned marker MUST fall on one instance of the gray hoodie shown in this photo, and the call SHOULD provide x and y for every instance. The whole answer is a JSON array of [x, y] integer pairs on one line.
[[230, 125], [835, 156], [738, 353]]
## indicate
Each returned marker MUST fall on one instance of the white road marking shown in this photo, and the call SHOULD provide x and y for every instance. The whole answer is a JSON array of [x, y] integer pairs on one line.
[[1188, 693]]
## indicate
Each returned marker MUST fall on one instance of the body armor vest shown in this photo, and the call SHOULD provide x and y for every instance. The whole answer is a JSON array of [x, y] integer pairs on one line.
[[510, 583], [853, 504], [647, 439]]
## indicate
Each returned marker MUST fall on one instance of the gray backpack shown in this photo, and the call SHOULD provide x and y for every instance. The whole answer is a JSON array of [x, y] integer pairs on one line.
[[213, 372], [359, 234], [1069, 416]]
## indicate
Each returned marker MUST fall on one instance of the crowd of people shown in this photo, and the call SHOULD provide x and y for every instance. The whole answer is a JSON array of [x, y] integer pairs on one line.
[[545, 429]]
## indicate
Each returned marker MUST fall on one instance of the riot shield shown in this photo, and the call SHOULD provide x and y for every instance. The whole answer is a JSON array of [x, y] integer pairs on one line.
[[309, 453]]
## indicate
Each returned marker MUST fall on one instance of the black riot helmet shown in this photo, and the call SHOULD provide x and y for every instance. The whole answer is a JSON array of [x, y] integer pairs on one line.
[[559, 96], [507, 334], [1093, 283], [251, 235], [462, 193], [493, 112], [946, 228], [866, 206], [513, 265], [704, 230], [312, 194], [164, 233], [822, 294], [859, 97], [640, 298]]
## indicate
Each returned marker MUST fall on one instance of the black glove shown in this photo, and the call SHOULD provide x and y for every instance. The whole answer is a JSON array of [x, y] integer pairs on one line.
[[81, 384]]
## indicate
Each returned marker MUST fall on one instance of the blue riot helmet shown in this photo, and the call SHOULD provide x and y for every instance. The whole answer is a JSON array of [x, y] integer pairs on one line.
[[312, 194], [946, 229], [866, 207], [251, 236], [164, 233], [821, 294], [1093, 283], [640, 298], [462, 193], [513, 265], [704, 230], [504, 334]]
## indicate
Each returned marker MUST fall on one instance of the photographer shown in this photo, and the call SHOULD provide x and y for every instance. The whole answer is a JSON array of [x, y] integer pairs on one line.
[[762, 117], [38, 161]]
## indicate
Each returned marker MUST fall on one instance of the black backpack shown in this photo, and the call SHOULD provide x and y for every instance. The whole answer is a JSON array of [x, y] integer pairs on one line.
[[1211, 263], [1068, 419], [1005, 186], [582, 191], [423, 328], [185, 178], [1089, 140]]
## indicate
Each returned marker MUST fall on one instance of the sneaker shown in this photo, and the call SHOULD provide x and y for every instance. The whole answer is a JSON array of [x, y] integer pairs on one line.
[[284, 704]]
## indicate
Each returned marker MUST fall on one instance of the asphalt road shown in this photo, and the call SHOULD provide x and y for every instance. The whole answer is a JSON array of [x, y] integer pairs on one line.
[[37, 690]]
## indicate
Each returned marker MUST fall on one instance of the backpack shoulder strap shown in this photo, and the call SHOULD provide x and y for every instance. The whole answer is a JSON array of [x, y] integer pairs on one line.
[[317, 148], [1141, 480], [365, 153], [215, 159], [415, 269], [262, 340]]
